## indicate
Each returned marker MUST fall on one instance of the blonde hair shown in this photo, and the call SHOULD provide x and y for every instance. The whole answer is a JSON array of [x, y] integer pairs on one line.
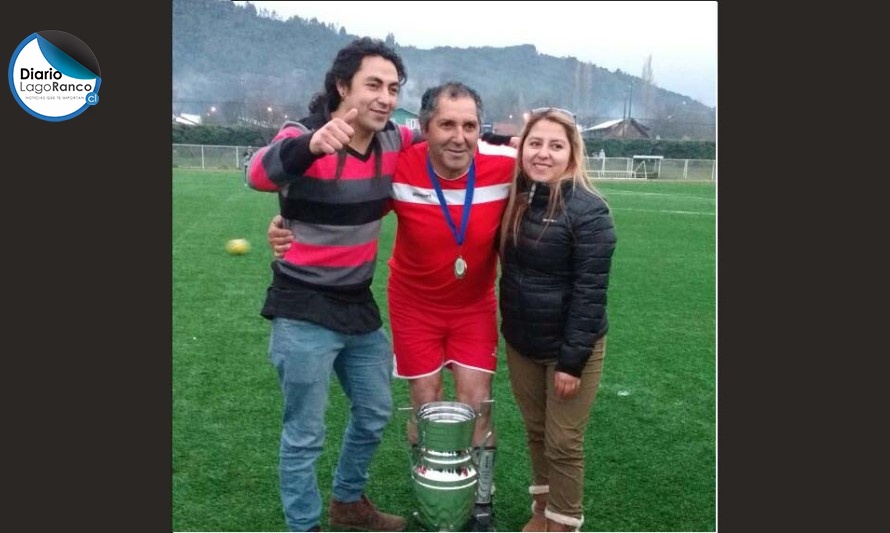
[[519, 198]]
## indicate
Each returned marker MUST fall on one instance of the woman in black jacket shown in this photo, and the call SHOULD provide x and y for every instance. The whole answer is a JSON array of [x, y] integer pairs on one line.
[[557, 240]]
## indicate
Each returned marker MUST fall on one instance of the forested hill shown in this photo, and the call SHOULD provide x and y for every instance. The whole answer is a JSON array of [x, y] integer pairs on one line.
[[240, 63]]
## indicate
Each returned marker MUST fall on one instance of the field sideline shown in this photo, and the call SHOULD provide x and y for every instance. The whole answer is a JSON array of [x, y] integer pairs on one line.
[[651, 443]]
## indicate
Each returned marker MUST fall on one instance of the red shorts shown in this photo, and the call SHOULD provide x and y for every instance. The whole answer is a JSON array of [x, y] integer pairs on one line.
[[426, 338]]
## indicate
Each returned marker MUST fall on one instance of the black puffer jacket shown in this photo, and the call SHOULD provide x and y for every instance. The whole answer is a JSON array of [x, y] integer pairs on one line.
[[553, 285]]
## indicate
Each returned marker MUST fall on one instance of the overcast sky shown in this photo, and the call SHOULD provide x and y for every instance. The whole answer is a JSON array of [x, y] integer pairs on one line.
[[681, 37]]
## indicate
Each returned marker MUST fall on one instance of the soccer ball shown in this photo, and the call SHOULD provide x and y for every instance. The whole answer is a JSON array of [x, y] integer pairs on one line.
[[238, 246]]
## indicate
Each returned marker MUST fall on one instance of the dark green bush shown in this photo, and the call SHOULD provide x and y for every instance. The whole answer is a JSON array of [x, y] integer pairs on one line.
[[258, 136], [222, 135], [667, 149]]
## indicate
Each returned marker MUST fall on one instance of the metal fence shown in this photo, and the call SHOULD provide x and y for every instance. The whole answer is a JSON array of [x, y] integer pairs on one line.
[[210, 157], [665, 169]]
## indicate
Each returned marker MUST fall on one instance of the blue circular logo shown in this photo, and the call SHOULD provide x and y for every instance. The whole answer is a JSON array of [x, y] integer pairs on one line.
[[54, 76]]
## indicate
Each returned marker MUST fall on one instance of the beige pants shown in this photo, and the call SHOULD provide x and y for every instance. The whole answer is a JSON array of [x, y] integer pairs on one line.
[[555, 428]]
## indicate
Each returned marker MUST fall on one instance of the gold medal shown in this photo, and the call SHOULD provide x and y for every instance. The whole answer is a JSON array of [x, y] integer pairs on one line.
[[460, 267]]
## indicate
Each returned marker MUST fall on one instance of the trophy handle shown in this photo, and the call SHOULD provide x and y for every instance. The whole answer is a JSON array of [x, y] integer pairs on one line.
[[485, 407]]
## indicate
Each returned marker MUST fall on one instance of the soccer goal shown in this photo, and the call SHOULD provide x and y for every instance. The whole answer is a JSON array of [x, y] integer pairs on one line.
[[612, 168], [647, 166]]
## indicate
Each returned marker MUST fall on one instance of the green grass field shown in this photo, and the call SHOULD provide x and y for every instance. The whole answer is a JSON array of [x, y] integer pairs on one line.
[[651, 441]]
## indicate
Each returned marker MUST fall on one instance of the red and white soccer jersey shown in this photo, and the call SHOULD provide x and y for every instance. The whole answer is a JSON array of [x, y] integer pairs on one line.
[[422, 262], [437, 319]]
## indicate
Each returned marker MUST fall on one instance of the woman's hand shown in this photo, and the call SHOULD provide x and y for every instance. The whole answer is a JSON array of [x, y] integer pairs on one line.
[[566, 385]]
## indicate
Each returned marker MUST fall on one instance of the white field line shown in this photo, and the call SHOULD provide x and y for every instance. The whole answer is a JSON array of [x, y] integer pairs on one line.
[[639, 193], [663, 211]]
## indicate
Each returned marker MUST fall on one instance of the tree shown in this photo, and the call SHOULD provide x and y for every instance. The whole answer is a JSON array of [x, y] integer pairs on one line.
[[221, 53], [648, 92]]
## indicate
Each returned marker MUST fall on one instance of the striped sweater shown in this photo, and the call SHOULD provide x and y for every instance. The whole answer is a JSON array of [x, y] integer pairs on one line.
[[333, 204]]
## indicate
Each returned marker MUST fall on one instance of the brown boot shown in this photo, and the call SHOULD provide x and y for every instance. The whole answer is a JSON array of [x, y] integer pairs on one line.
[[537, 522], [553, 525], [362, 515]]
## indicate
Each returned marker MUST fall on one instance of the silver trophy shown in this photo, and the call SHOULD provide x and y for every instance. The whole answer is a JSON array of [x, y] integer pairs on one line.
[[442, 467]]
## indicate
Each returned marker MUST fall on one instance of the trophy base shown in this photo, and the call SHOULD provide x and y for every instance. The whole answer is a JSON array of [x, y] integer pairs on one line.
[[444, 508]]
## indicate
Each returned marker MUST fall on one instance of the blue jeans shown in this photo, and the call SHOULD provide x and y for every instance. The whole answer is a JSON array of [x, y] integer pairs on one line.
[[304, 355]]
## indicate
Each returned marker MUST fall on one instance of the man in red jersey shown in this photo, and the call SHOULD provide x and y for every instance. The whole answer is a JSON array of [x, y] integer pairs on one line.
[[449, 195]]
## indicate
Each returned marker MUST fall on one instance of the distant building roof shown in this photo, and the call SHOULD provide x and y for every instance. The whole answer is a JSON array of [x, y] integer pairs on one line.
[[505, 128], [187, 118], [604, 125], [621, 128]]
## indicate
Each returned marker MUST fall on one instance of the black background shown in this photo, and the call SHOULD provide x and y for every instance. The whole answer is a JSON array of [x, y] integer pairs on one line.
[[86, 207], [86, 210]]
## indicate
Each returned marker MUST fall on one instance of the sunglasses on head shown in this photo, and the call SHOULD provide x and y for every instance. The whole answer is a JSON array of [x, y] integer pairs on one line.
[[565, 112]]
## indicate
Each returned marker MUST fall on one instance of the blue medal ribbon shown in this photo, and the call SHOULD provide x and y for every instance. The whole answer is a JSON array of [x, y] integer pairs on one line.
[[468, 200]]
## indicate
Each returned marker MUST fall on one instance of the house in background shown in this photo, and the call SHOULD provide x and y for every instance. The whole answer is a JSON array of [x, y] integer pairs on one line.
[[410, 119], [187, 118], [620, 128], [506, 128], [403, 117]]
